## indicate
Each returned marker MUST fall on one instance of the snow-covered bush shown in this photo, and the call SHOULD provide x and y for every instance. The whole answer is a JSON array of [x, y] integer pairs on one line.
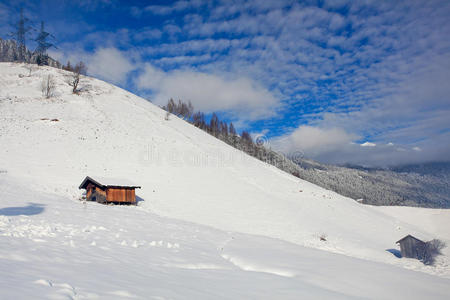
[[48, 86], [30, 68], [431, 250]]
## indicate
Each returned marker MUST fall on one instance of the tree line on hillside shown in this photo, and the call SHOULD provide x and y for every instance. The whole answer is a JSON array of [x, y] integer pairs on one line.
[[375, 187], [226, 132]]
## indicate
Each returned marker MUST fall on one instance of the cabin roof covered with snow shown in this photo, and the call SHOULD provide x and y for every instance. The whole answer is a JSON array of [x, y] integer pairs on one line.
[[107, 182], [409, 237]]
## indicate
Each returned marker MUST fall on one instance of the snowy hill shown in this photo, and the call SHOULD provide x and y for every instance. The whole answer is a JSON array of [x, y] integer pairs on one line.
[[213, 222]]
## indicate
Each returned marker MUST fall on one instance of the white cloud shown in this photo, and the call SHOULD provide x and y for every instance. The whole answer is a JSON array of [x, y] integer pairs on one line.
[[368, 144], [174, 7], [158, 9], [313, 141], [172, 30], [208, 92], [147, 34], [110, 64], [336, 146]]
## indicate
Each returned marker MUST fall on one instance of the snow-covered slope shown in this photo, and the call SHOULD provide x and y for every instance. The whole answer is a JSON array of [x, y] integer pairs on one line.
[[49, 145], [56, 248]]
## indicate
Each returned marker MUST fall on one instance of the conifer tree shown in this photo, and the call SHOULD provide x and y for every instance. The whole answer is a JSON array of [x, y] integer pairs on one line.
[[231, 130], [214, 125], [68, 67]]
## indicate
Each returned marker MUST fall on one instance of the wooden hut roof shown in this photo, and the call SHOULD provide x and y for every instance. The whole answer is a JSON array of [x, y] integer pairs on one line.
[[409, 236], [107, 182]]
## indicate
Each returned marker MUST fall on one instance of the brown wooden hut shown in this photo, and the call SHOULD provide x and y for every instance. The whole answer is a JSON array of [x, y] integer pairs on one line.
[[109, 191], [412, 247]]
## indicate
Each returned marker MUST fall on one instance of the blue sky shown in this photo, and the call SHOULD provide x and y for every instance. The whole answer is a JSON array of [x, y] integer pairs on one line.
[[363, 82]]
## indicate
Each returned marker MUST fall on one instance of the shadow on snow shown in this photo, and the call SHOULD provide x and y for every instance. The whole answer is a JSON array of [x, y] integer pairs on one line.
[[138, 199], [395, 252], [29, 210]]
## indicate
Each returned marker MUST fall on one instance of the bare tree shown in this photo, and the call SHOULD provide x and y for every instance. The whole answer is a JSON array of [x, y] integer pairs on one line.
[[74, 79], [68, 67], [30, 69], [180, 109], [48, 86]]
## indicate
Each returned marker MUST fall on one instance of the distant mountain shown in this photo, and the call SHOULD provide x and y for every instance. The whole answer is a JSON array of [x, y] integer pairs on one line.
[[425, 185], [431, 168], [10, 53]]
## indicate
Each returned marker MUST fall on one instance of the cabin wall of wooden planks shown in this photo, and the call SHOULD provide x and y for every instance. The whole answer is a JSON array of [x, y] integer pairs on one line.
[[126, 195], [412, 248], [91, 188]]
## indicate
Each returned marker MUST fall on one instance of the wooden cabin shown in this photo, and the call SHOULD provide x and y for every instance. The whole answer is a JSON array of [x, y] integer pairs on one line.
[[412, 247], [109, 190]]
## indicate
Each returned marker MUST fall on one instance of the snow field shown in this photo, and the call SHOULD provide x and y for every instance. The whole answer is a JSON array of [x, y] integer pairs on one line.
[[71, 250], [211, 223]]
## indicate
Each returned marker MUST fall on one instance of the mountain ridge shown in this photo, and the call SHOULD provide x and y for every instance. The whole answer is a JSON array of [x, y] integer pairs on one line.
[[423, 185]]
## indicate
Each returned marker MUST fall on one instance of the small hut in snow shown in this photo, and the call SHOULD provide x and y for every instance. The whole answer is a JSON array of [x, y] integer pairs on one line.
[[412, 247], [109, 190]]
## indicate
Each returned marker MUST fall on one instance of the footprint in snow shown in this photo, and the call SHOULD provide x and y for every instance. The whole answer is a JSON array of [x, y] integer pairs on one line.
[[123, 294], [59, 290], [43, 282], [161, 244]]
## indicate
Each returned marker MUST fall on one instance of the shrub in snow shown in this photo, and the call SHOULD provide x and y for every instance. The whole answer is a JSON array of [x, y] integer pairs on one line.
[[431, 250], [30, 69], [48, 86], [74, 79]]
